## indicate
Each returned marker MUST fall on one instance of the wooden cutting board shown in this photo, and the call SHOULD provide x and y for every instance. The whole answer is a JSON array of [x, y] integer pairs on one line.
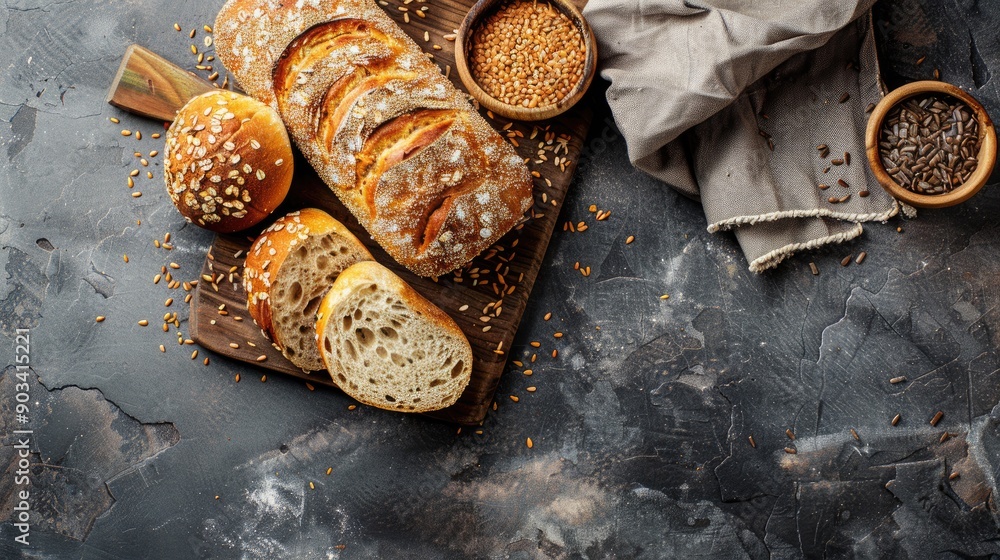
[[496, 285]]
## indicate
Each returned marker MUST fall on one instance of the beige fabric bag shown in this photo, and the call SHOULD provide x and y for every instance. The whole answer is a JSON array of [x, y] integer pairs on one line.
[[700, 88]]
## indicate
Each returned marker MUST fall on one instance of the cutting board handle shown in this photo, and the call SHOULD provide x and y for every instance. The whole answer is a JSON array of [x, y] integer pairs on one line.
[[150, 85]]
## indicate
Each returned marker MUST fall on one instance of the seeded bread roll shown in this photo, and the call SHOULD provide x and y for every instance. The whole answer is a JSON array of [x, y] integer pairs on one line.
[[227, 161], [288, 269], [395, 140], [387, 346]]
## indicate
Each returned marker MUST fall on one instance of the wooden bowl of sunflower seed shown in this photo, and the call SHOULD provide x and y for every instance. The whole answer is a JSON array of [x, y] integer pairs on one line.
[[931, 144]]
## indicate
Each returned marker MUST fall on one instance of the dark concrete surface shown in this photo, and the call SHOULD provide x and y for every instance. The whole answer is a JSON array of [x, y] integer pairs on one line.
[[641, 426]]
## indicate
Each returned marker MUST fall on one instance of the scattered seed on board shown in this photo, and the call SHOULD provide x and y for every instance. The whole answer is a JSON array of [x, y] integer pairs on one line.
[[844, 97], [854, 434], [813, 269], [896, 419], [899, 379], [791, 450], [99, 319], [846, 260], [752, 442], [629, 239], [953, 475], [944, 437], [843, 183], [937, 418], [861, 256], [529, 443], [790, 434], [143, 323]]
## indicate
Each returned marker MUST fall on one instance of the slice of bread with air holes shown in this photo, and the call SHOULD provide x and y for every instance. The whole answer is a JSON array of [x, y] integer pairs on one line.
[[288, 269], [387, 346]]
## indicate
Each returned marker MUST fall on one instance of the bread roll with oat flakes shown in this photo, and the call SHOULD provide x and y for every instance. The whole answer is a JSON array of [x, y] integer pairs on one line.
[[288, 269], [227, 161], [400, 146]]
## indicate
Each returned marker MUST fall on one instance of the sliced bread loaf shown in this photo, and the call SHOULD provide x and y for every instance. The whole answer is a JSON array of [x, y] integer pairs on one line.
[[387, 346], [288, 269]]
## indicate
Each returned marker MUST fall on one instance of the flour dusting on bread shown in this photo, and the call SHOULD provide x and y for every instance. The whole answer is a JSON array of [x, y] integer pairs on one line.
[[395, 140]]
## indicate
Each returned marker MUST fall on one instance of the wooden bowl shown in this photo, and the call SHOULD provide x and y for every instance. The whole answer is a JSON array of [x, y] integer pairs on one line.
[[463, 44], [987, 149]]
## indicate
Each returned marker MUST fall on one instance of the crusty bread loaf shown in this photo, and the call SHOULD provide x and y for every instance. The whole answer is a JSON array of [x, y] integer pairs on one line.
[[288, 269], [227, 161], [394, 139], [387, 346]]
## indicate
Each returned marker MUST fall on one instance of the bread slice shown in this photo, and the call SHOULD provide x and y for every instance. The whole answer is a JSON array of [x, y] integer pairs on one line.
[[288, 269], [387, 346]]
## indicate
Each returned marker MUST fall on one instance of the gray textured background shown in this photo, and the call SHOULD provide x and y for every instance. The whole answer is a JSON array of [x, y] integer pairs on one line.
[[640, 426]]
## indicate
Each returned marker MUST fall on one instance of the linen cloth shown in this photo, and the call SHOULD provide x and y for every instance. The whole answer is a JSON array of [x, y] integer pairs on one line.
[[727, 100]]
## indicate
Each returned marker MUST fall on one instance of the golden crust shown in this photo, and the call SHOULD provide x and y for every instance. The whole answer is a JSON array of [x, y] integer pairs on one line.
[[468, 183], [227, 163]]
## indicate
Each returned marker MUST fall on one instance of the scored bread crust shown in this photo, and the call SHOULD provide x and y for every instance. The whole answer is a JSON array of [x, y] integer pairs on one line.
[[264, 274], [369, 297], [400, 146]]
